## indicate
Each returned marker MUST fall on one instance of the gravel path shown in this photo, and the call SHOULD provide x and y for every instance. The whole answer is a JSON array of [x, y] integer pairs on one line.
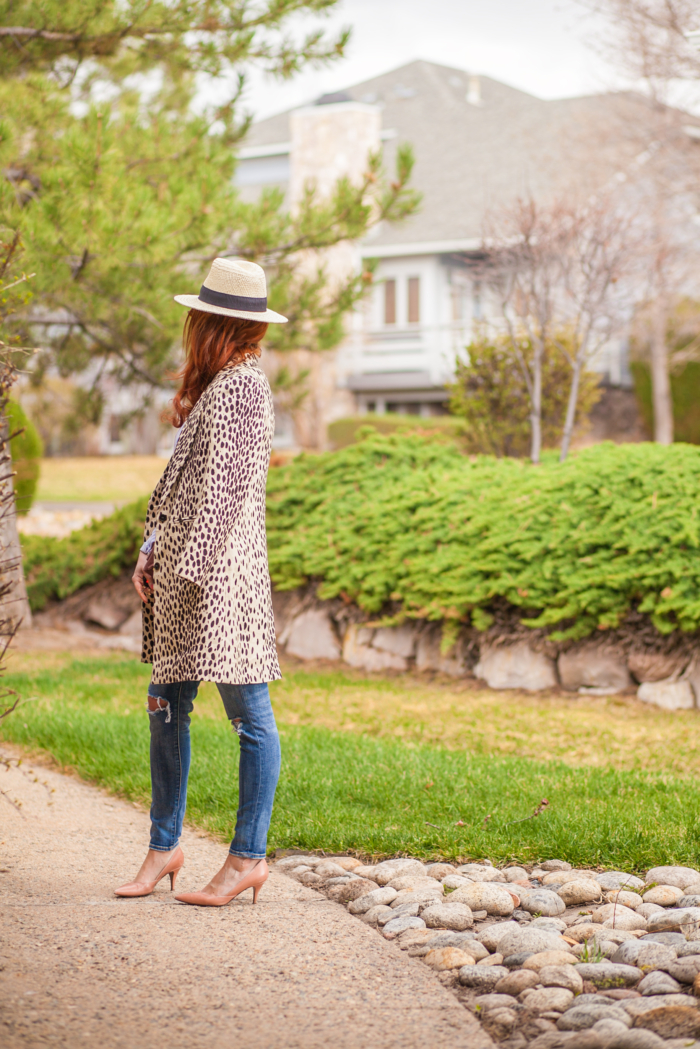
[[78, 967]]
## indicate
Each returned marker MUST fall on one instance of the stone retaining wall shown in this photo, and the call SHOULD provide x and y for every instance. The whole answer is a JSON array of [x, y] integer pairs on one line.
[[311, 629]]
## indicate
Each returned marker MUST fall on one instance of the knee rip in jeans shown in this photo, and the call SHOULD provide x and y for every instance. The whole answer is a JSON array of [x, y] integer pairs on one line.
[[237, 725], [156, 705]]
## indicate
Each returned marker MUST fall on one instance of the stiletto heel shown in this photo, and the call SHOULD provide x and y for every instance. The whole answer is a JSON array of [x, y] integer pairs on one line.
[[145, 888], [253, 879]]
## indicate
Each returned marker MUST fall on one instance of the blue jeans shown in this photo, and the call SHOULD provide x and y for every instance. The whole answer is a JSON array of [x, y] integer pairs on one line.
[[249, 709]]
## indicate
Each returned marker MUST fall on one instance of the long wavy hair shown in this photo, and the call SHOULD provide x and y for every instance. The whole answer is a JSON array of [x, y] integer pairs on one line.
[[211, 342]]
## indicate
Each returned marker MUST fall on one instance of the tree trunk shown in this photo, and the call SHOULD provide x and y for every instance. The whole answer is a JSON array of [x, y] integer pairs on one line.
[[536, 412], [14, 606], [660, 382], [571, 410]]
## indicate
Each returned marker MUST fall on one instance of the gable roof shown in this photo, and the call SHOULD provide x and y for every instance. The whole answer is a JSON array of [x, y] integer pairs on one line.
[[474, 155]]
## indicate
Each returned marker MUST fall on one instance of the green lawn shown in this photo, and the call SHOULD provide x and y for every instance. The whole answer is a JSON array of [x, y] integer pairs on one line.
[[118, 478], [359, 775]]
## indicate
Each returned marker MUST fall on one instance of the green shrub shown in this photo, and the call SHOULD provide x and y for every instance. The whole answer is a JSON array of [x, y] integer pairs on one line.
[[414, 524], [56, 568], [27, 449], [408, 527], [347, 431]]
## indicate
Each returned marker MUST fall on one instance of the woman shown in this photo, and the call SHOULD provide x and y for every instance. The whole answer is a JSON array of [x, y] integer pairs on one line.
[[207, 605]]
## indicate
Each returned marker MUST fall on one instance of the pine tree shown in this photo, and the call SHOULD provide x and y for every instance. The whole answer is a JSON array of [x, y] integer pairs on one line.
[[120, 188]]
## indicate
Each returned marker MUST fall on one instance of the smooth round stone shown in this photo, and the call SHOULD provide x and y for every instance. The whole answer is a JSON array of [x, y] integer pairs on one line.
[[456, 916], [341, 879], [610, 1029], [679, 876], [443, 958], [671, 1023], [515, 874], [411, 909], [416, 884], [542, 901], [415, 938], [625, 920], [421, 897], [485, 896], [549, 999], [482, 977], [516, 961], [548, 958], [664, 895], [486, 1002], [309, 879], [692, 900], [366, 870], [555, 865], [372, 899], [560, 976], [397, 925], [647, 909], [625, 898], [636, 1039], [646, 956], [671, 939], [481, 872], [348, 863], [618, 880], [582, 1016], [329, 869], [658, 983], [288, 863], [492, 935], [582, 890], [685, 969], [638, 1006], [379, 915], [676, 919], [387, 870], [439, 870], [524, 938], [517, 982], [552, 924], [465, 940], [685, 949], [455, 881], [606, 974], [521, 916]]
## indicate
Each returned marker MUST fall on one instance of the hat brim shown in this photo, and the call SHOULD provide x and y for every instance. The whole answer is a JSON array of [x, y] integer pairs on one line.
[[193, 302]]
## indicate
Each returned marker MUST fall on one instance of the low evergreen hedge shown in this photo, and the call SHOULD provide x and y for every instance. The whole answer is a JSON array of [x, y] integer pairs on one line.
[[405, 526], [396, 520], [56, 568]]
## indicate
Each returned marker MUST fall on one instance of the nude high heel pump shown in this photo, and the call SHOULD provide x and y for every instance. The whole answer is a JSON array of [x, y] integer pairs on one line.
[[253, 879], [145, 888]]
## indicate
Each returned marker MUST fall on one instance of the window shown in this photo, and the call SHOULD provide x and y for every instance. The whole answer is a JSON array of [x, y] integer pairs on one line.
[[414, 300], [390, 302]]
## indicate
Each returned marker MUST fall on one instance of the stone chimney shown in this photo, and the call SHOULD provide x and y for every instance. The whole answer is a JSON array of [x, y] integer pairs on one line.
[[328, 142]]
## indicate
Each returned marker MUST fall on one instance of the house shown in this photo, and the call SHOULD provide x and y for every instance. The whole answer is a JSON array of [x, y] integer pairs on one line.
[[478, 145]]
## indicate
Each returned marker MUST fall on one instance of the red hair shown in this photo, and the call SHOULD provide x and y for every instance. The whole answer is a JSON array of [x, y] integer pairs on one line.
[[212, 342]]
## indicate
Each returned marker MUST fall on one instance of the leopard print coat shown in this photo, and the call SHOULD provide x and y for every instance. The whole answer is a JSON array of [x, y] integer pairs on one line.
[[210, 618]]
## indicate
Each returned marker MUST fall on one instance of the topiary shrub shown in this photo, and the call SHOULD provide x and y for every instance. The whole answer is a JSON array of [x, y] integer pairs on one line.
[[27, 449]]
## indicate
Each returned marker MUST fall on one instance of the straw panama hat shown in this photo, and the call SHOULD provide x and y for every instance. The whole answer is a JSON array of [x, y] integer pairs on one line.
[[234, 288]]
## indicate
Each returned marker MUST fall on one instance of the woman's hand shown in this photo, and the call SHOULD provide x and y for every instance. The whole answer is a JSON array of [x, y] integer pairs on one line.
[[142, 580]]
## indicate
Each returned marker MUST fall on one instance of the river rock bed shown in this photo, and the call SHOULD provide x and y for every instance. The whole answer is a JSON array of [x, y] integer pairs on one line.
[[549, 957]]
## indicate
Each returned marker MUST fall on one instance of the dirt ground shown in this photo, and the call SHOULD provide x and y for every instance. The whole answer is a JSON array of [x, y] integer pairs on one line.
[[79, 967]]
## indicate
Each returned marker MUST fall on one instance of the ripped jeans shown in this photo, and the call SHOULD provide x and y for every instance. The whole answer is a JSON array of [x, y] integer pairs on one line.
[[249, 709]]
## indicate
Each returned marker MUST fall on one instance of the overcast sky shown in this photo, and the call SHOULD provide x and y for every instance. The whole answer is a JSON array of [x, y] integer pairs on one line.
[[542, 46]]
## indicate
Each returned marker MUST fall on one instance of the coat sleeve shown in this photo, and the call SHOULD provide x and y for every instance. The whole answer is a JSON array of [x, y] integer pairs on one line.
[[237, 422]]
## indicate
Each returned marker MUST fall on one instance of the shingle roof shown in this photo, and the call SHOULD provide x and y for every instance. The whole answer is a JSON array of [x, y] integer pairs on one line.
[[471, 158]]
